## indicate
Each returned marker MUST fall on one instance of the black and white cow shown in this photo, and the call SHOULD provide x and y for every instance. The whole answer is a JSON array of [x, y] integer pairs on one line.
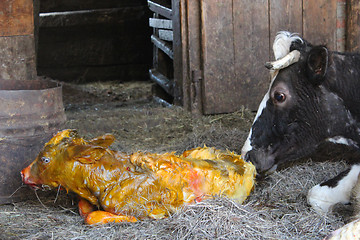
[[314, 96]]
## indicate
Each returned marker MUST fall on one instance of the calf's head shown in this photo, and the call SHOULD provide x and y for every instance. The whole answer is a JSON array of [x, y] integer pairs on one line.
[[291, 119], [62, 156]]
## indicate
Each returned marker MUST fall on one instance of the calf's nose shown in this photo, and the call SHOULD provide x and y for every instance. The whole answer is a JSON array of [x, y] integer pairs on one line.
[[27, 178]]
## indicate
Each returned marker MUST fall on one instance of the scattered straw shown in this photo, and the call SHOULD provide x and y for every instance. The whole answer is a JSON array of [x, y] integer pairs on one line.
[[277, 209]]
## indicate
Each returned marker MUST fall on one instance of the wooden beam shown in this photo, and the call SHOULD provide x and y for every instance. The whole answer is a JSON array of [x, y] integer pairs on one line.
[[179, 49], [162, 81], [160, 23], [71, 5], [160, 9], [164, 46], [91, 17], [166, 35]]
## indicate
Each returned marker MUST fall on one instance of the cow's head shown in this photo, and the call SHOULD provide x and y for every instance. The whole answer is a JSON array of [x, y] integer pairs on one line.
[[291, 119]]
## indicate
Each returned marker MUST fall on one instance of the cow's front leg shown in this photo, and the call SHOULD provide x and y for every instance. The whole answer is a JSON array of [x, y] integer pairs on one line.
[[337, 190]]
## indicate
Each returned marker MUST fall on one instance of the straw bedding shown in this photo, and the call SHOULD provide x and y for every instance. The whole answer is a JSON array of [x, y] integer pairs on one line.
[[276, 209]]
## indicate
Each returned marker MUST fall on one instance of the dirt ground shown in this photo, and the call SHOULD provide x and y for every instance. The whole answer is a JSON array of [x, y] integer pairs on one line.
[[277, 208]]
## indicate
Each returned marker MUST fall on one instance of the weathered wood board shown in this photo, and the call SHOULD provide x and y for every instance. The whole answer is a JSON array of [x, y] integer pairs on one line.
[[353, 26], [224, 44], [219, 89], [160, 23], [17, 57], [319, 22], [16, 17], [233, 61], [285, 15], [160, 9], [251, 45], [166, 35], [193, 54]]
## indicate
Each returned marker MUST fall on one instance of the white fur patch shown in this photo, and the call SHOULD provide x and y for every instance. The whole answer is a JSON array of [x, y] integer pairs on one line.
[[322, 198], [247, 145], [282, 43], [342, 140]]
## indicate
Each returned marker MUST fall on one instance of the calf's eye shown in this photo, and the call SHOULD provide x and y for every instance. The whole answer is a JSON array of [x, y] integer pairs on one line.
[[45, 159], [279, 97]]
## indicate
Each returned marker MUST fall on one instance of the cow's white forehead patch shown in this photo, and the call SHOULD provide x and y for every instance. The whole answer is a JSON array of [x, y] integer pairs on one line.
[[247, 145]]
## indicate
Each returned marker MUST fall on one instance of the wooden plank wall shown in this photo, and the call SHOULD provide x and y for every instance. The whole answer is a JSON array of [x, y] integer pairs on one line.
[[251, 34], [17, 39], [285, 15], [353, 25], [319, 22], [236, 40], [218, 40]]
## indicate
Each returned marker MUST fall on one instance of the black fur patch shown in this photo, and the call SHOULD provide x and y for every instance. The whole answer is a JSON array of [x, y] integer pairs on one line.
[[334, 181]]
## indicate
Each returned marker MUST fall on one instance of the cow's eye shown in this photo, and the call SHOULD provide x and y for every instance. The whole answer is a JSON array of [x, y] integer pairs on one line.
[[279, 97], [45, 159]]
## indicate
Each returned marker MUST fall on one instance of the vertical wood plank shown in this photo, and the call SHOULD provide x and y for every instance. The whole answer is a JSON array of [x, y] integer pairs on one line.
[[177, 49], [251, 45], [319, 21], [194, 54], [183, 34], [218, 57], [16, 17], [285, 15], [340, 25], [353, 23]]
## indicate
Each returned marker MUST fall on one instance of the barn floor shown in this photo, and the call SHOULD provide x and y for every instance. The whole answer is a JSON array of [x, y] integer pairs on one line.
[[277, 209]]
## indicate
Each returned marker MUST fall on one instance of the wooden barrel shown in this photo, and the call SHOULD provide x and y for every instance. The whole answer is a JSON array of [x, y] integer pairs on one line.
[[31, 111]]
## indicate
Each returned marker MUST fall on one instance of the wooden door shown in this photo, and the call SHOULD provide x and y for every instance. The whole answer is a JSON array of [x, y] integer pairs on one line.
[[235, 44], [225, 44]]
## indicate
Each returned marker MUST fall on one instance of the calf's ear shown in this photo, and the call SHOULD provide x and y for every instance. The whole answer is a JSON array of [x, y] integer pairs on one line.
[[317, 64], [85, 153], [103, 141]]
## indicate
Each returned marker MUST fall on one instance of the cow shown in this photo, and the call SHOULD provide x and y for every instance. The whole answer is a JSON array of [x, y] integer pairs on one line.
[[314, 97]]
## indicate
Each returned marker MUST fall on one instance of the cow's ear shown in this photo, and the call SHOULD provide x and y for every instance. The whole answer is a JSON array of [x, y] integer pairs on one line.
[[317, 64]]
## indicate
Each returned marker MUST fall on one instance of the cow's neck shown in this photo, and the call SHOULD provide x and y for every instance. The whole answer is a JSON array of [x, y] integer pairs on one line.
[[342, 96]]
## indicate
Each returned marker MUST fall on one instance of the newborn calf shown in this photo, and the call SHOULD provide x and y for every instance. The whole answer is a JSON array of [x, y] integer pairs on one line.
[[129, 187]]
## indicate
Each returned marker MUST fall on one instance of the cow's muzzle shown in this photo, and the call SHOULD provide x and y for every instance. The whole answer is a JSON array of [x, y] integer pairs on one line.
[[264, 163]]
